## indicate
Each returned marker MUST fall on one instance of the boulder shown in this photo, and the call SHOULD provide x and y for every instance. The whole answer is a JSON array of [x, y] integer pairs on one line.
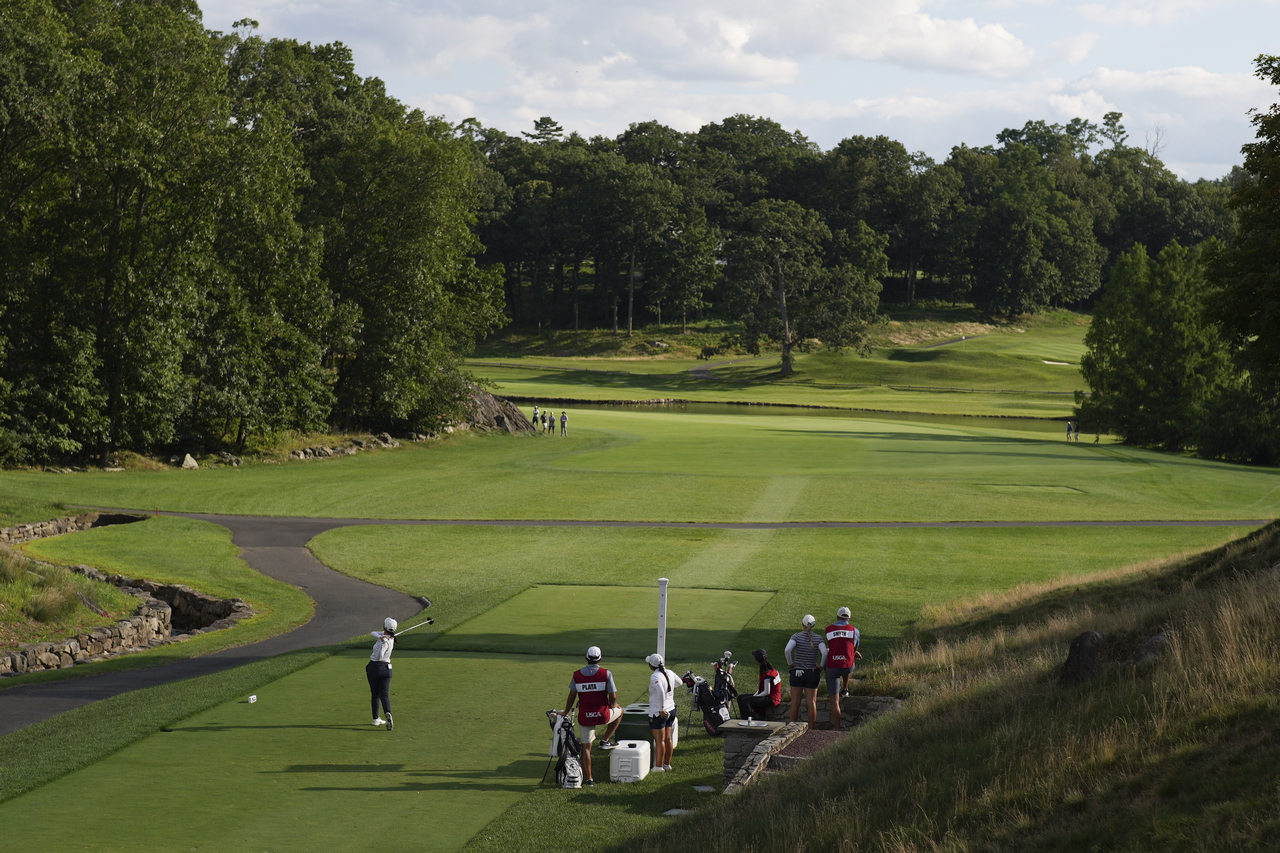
[[1153, 648], [189, 463], [1082, 659], [485, 411]]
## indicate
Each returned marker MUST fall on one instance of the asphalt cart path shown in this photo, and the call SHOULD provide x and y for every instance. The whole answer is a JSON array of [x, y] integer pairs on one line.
[[345, 608]]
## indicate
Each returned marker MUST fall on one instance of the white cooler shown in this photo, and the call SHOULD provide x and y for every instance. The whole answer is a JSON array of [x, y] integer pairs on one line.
[[629, 761]]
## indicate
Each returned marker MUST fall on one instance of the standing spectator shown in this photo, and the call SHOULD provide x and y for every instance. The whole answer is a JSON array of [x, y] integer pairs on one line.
[[769, 694], [805, 668], [1068, 430], [842, 654], [378, 672], [597, 697], [535, 413], [662, 711], [564, 423]]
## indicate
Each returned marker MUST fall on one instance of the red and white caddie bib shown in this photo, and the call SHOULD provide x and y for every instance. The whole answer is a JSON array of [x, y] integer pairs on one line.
[[593, 697]]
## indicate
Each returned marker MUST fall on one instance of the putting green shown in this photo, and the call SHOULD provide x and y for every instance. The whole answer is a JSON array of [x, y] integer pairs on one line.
[[621, 620], [302, 770]]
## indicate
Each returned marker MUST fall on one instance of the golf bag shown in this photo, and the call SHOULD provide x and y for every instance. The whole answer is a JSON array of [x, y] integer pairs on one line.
[[715, 700], [565, 745]]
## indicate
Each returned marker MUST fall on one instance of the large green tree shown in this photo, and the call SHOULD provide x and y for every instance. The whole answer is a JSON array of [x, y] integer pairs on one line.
[[1154, 362], [794, 282]]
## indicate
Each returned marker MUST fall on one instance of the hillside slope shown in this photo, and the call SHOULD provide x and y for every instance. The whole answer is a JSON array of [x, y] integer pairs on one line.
[[992, 753]]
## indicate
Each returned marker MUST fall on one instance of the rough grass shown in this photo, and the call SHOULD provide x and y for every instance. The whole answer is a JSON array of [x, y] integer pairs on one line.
[[41, 602], [992, 754]]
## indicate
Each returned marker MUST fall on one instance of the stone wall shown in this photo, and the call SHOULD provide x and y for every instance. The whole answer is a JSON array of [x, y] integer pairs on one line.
[[747, 750], [149, 627], [58, 526], [167, 613]]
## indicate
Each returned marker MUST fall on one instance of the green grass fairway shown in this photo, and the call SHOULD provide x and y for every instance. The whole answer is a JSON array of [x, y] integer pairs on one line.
[[885, 576], [755, 380], [302, 770], [622, 620], [670, 466]]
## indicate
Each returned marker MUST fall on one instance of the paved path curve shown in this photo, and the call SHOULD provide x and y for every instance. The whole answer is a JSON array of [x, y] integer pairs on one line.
[[347, 607]]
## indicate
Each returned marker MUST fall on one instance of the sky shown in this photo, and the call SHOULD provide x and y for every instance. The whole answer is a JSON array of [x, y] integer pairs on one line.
[[929, 74]]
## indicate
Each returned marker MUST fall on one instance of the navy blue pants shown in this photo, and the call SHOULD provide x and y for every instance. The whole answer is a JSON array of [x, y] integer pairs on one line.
[[379, 675]]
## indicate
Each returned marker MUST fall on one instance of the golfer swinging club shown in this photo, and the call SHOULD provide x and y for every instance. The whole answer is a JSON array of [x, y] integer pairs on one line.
[[378, 671]]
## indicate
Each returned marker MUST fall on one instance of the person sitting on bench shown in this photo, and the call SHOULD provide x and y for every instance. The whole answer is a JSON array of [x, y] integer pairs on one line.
[[768, 697]]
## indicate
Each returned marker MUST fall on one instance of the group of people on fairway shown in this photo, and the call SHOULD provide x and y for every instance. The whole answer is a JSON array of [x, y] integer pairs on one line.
[[546, 420]]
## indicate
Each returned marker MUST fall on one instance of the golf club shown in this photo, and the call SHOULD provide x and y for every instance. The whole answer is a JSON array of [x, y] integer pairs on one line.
[[425, 602]]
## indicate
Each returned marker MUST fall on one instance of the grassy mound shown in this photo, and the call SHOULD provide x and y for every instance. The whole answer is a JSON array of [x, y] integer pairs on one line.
[[993, 754], [41, 602]]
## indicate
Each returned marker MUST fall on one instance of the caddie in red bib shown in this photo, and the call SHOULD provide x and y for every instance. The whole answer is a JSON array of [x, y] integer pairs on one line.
[[842, 657], [592, 688]]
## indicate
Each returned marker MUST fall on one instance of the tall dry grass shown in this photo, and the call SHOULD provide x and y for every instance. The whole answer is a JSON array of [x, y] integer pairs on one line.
[[991, 753]]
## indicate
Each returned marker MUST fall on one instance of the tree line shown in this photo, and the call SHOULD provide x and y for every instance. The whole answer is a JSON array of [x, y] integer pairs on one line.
[[1184, 347], [210, 236]]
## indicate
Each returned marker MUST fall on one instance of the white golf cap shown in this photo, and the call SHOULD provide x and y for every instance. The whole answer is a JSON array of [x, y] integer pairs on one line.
[[842, 613], [808, 621], [654, 659], [593, 654], [390, 624]]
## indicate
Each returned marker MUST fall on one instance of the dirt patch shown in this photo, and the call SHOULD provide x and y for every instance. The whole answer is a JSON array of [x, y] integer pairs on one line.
[[812, 742]]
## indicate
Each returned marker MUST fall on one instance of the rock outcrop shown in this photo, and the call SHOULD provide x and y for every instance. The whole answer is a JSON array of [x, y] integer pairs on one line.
[[485, 412]]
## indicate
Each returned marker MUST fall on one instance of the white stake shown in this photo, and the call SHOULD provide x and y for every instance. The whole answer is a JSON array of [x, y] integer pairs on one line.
[[662, 616]]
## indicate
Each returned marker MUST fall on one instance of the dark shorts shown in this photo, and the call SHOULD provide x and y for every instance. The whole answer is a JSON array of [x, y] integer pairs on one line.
[[806, 678], [833, 679], [657, 723]]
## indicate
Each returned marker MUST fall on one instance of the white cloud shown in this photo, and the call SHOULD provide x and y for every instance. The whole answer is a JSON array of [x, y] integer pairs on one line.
[[1075, 49], [1140, 13]]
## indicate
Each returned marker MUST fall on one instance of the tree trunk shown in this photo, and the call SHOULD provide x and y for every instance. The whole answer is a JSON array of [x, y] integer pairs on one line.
[[684, 321], [786, 327], [615, 315], [631, 291], [911, 282], [575, 314]]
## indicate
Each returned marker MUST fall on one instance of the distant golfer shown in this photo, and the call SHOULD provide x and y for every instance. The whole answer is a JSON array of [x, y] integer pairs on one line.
[[842, 656], [597, 697], [378, 671], [805, 656], [564, 423]]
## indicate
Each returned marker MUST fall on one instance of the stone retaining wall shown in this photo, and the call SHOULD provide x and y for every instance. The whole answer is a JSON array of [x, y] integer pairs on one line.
[[747, 751], [167, 613]]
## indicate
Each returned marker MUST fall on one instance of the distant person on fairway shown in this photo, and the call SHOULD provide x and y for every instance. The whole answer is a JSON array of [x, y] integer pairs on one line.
[[769, 694], [378, 671], [662, 697], [597, 698], [1068, 430], [806, 655], [564, 423], [535, 413], [842, 656]]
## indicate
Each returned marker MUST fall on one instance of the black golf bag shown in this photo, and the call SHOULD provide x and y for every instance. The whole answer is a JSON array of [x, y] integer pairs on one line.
[[564, 743], [714, 700]]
